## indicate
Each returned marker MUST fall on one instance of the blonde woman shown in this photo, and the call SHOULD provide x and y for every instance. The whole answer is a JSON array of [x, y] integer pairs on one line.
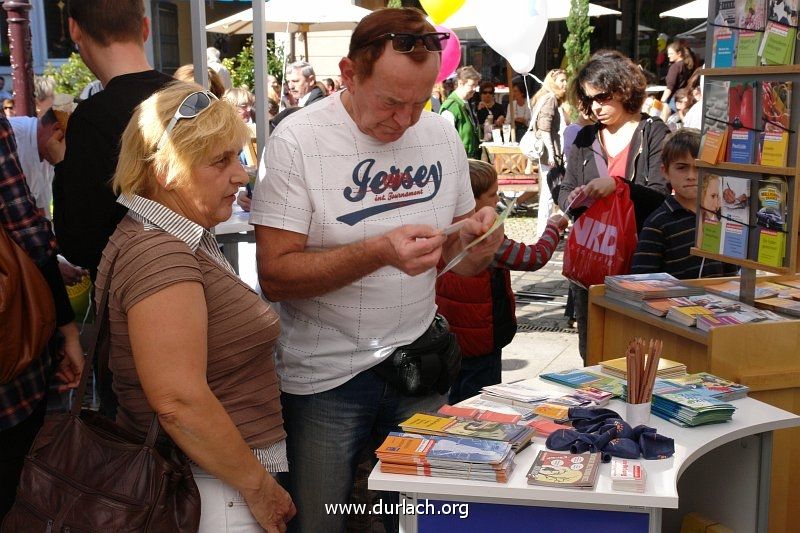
[[176, 308], [549, 124], [243, 100]]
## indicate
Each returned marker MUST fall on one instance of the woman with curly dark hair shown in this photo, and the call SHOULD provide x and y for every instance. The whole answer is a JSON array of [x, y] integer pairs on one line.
[[611, 88]]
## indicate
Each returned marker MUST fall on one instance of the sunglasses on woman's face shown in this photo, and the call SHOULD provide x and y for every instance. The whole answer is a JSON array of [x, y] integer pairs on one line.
[[190, 107], [600, 98], [487, 92], [406, 42]]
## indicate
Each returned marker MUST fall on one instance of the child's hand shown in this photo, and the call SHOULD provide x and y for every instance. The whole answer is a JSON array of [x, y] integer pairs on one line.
[[560, 221]]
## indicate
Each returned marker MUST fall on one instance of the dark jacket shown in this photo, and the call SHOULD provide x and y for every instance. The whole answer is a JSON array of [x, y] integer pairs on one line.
[[314, 95], [648, 184]]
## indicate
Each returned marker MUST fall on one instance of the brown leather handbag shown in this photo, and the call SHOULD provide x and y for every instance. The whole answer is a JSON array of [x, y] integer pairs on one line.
[[85, 473], [27, 312]]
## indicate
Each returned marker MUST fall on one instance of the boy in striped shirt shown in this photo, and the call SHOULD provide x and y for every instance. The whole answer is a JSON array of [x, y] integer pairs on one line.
[[669, 232], [480, 309]]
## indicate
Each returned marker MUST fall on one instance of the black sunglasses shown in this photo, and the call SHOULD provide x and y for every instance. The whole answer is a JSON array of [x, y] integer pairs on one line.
[[487, 92], [600, 98], [405, 42]]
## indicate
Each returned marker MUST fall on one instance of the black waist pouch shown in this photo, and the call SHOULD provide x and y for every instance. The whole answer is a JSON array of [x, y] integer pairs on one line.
[[430, 363]]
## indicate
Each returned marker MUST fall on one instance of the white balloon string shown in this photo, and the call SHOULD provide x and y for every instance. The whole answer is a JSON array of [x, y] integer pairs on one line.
[[528, 94]]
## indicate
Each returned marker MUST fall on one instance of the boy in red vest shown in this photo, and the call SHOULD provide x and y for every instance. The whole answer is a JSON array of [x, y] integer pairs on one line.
[[480, 309]]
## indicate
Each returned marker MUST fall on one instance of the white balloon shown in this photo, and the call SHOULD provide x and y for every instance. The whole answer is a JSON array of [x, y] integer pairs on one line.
[[514, 29]]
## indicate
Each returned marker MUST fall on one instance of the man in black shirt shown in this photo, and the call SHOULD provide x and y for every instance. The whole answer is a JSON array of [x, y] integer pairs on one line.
[[110, 36]]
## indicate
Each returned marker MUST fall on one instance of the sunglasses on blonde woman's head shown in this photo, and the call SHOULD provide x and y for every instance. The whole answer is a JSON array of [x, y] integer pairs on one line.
[[406, 42], [190, 107]]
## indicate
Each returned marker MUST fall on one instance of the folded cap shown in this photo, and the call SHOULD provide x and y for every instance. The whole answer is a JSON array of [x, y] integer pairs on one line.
[[655, 446], [561, 439], [590, 419], [620, 428], [625, 448]]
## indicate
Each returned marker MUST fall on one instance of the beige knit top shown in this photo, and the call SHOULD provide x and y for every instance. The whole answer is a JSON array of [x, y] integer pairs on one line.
[[242, 329]]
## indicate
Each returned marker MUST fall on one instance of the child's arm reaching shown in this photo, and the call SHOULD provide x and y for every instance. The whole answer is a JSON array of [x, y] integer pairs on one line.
[[520, 256]]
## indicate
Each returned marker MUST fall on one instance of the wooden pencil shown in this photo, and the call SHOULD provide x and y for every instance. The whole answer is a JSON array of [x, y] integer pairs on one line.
[[629, 362], [655, 355]]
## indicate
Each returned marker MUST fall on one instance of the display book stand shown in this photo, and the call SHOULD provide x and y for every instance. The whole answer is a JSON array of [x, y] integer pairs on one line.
[[765, 356]]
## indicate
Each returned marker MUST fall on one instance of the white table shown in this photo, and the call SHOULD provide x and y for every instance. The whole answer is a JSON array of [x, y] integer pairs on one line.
[[720, 470], [233, 231]]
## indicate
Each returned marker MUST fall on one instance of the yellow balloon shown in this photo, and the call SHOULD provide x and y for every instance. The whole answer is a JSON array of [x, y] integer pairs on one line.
[[440, 10], [428, 106]]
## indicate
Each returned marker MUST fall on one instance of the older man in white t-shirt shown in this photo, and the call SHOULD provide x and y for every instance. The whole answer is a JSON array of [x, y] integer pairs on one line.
[[349, 211]]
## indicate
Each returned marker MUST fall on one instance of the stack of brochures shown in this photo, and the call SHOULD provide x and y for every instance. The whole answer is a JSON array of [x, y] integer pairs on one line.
[[687, 406], [518, 436], [633, 289], [567, 470], [490, 406], [619, 368], [580, 378], [483, 415], [446, 456], [627, 475], [544, 403], [707, 311], [717, 387], [519, 392]]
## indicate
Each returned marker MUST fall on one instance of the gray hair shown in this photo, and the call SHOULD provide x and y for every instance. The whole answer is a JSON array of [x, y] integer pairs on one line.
[[43, 87], [305, 68]]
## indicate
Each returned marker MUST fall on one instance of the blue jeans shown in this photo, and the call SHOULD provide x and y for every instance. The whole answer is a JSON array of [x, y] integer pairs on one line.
[[326, 434], [476, 373]]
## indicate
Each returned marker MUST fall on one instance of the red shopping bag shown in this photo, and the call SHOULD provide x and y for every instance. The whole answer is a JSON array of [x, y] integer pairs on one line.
[[602, 240]]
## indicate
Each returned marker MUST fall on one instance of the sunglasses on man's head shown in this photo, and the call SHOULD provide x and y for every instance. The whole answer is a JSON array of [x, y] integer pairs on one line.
[[600, 98], [190, 107], [406, 42]]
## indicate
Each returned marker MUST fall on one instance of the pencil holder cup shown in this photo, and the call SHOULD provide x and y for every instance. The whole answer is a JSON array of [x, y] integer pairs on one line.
[[637, 414]]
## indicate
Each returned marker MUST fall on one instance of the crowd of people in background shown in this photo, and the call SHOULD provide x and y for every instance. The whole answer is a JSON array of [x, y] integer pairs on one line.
[[150, 163]]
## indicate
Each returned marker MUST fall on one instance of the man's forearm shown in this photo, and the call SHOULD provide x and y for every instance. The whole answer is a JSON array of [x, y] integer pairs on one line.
[[305, 274]]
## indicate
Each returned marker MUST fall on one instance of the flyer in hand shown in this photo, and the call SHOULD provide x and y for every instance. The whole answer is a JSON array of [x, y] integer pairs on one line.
[[498, 222]]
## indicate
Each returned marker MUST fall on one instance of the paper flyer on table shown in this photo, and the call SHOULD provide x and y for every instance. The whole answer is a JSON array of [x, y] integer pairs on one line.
[[501, 218]]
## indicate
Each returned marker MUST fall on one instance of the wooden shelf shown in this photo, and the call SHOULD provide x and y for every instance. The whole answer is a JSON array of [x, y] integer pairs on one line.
[[739, 167], [769, 70], [631, 311], [746, 263]]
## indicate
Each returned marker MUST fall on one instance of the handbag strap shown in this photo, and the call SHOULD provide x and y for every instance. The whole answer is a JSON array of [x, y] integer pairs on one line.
[[535, 113], [103, 334]]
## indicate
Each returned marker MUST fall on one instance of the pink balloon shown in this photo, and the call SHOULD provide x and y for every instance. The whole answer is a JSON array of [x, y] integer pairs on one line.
[[451, 55]]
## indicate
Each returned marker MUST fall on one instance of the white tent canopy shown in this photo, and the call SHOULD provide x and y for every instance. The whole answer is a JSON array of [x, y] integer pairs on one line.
[[698, 9], [468, 15], [295, 16]]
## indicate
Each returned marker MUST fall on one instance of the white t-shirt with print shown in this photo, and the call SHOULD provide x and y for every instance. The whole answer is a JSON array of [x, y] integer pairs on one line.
[[324, 178]]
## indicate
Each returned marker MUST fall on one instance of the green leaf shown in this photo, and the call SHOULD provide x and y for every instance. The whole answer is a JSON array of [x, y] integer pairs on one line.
[[72, 76]]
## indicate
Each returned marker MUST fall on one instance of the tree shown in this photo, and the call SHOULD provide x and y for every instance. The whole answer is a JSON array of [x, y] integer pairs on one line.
[[394, 3], [577, 44], [242, 66], [72, 76]]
